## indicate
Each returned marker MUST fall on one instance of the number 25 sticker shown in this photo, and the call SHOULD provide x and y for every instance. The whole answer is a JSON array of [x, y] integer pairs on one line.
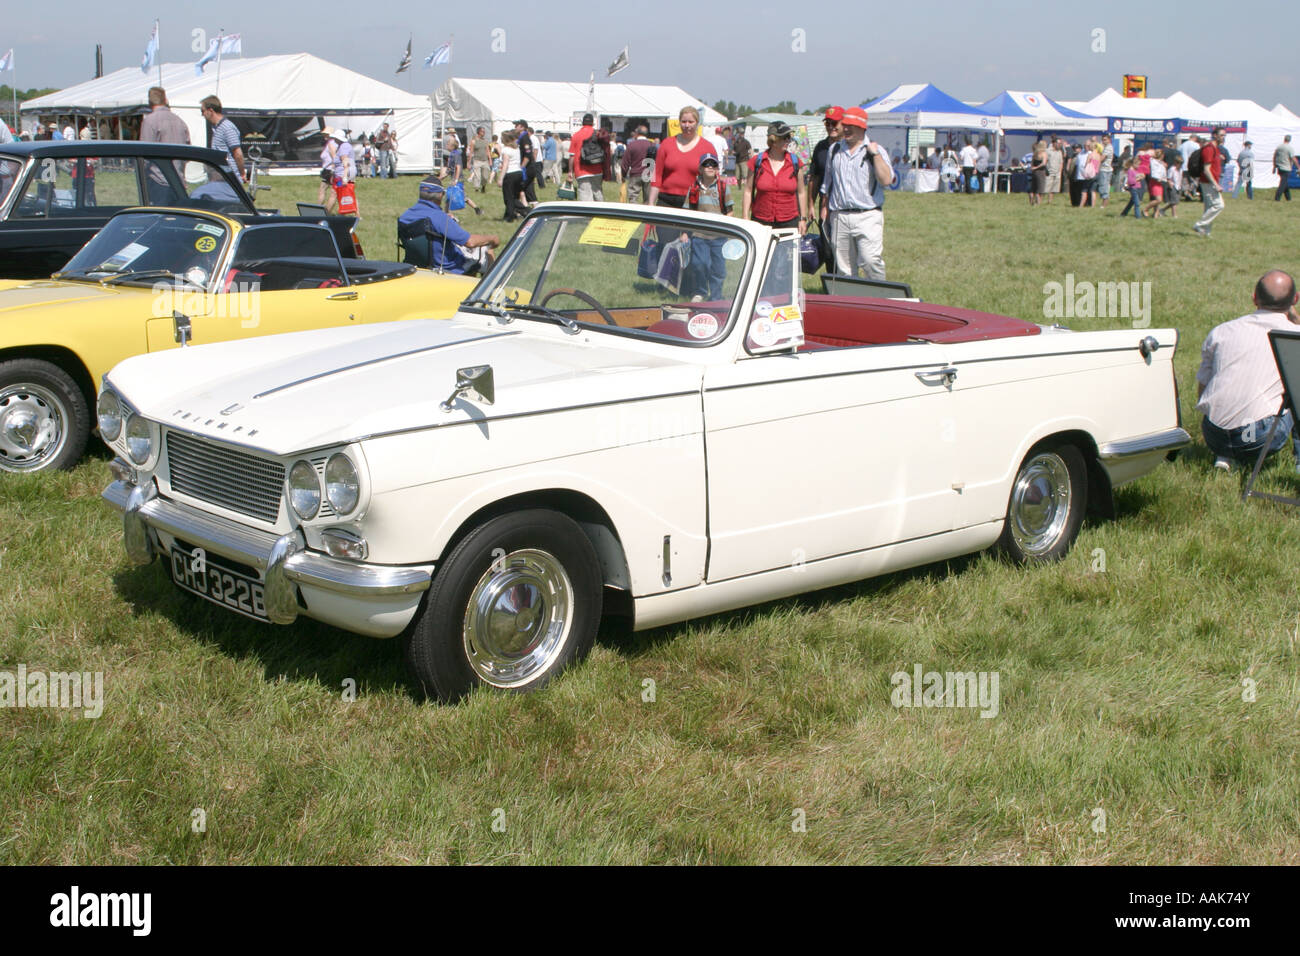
[[205, 243]]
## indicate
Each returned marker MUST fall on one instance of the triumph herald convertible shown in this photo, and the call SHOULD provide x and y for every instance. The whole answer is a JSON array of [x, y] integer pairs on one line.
[[637, 412], [228, 278]]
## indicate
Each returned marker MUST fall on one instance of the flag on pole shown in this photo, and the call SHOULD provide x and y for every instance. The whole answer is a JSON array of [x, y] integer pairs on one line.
[[620, 63], [150, 50], [221, 46], [7, 61], [406, 58], [591, 93], [441, 56]]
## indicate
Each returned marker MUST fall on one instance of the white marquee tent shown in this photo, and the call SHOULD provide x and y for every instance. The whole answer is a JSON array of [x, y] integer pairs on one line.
[[1264, 129], [496, 104], [292, 91]]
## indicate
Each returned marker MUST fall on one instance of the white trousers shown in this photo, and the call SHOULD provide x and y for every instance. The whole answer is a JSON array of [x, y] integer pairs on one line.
[[859, 242]]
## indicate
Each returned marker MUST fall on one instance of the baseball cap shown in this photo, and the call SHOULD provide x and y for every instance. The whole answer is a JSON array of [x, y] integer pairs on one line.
[[855, 116], [835, 113], [708, 159], [780, 129], [430, 187]]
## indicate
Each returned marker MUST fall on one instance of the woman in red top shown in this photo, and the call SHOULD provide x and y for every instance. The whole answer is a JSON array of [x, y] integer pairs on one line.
[[777, 197], [677, 163]]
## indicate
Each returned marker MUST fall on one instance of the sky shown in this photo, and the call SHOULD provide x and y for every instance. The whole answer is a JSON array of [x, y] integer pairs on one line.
[[755, 52]]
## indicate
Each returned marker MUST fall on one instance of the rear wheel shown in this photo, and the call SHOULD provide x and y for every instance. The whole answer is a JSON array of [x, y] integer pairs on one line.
[[1048, 499], [516, 601], [44, 423]]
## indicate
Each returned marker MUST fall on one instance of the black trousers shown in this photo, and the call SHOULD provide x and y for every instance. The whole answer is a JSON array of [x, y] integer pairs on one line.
[[534, 177], [510, 188], [1283, 186]]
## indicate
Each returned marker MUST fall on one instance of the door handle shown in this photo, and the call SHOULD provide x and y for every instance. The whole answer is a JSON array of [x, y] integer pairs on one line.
[[946, 375], [342, 296]]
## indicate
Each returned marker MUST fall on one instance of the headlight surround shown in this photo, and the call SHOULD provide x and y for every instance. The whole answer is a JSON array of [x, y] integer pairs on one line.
[[109, 412], [304, 490], [342, 484], [139, 439]]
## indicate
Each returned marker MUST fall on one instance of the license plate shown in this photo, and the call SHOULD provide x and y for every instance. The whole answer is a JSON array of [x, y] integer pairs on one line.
[[205, 576]]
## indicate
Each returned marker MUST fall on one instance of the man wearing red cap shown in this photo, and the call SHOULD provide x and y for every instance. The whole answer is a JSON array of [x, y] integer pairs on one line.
[[857, 172], [817, 168]]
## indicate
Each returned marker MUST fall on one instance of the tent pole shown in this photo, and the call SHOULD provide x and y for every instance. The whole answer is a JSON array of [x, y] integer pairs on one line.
[[997, 158]]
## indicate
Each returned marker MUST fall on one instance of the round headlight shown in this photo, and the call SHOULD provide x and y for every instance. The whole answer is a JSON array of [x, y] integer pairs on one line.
[[109, 410], [304, 490], [342, 486], [139, 443]]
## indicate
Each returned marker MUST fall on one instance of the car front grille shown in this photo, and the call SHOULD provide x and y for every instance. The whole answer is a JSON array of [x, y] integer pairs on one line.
[[226, 477]]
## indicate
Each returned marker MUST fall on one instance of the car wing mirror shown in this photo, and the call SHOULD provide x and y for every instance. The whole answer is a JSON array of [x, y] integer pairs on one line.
[[476, 381], [181, 328]]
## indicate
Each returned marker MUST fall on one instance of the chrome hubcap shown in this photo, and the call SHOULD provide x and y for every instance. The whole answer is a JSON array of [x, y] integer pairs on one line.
[[519, 616], [1040, 504], [32, 427]]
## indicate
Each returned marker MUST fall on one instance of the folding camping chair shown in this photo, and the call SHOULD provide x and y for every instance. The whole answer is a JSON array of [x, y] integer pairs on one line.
[[1286, 352]]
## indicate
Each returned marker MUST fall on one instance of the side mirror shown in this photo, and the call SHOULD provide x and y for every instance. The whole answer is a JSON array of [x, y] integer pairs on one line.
[[475, 380], [181, 328]]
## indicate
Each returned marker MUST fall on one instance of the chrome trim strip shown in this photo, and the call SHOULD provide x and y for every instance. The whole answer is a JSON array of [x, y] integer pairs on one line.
[[280, 558], [383, 358], [1171, 439]]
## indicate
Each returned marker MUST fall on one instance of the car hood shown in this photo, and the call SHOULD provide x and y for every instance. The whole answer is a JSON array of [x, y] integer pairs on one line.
[[290, 393], [18, 294]]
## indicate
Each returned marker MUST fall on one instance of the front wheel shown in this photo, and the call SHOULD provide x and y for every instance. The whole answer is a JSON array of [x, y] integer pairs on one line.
[[44, 423], [516, 601], [1045, 511]]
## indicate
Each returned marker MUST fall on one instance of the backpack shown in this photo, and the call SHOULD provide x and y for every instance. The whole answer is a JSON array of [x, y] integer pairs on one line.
[[791, 159], [592, 153], [1196, 164]]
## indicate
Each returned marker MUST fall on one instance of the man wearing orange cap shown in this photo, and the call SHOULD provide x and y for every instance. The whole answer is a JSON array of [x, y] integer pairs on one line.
[[853, 212], [817, 167]]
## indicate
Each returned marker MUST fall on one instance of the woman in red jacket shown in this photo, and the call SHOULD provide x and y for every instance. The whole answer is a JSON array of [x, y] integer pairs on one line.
[[677, 162], [777, 197]]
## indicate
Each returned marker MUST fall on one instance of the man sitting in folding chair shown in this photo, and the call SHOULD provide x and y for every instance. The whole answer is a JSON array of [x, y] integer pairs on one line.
[[432, 239], [1238, 388]]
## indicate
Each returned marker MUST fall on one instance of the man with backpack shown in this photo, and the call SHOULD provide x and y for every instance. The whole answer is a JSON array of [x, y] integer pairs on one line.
[[1207, 167], [857, 172], [592, 158]]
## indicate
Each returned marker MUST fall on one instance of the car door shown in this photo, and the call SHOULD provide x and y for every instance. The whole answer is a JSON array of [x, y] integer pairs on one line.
[[825, 452], [60, 208]]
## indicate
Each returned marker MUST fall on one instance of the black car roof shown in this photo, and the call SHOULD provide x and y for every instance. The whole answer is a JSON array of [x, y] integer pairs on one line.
[[59, 148]]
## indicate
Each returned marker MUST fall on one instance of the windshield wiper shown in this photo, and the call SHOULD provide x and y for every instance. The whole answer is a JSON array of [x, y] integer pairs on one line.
[[147, 274], [569, 322]]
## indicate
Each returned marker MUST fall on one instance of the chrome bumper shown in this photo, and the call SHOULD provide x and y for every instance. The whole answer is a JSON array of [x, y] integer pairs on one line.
[[283, 559], [1171, 439]]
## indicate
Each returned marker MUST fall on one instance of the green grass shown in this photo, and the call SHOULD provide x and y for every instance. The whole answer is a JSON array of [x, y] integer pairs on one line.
[[1120, 691]]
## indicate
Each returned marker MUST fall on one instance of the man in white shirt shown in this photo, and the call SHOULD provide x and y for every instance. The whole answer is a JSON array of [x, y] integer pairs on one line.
[[1238, 388], [853, 213], [969, 157]]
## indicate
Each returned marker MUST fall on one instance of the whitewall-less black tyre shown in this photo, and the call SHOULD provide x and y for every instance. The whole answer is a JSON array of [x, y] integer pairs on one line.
[[44, 422], [1047, 503], [514, 603]]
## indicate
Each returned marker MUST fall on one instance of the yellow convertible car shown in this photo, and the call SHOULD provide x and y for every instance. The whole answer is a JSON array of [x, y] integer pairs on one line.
[[154, 276]]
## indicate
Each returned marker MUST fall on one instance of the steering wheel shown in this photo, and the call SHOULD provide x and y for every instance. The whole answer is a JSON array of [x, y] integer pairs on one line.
[[579, 294]]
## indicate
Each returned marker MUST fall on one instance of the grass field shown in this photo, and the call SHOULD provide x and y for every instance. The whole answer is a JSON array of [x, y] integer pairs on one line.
[[1148, 712]]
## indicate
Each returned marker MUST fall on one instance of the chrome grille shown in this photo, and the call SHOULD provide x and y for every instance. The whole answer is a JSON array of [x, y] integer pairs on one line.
[[224, 476]]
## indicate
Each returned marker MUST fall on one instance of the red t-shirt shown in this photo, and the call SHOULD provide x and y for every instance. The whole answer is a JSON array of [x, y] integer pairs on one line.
[[575, 151], [777, 196], [675, 169], [1211, 163]]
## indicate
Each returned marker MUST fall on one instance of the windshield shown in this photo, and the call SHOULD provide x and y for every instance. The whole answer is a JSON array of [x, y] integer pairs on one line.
[[664, 281], [149, 246], [9, 170]]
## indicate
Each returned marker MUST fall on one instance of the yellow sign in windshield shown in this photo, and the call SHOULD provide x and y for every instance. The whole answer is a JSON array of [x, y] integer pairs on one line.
[[609, 232]]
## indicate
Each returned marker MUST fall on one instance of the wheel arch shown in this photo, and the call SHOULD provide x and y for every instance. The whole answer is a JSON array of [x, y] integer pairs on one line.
[[590, 516], [65, 359]]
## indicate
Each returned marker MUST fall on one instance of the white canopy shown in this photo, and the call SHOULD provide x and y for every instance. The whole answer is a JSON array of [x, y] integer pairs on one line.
[[293, 84], [496, 104], [1033, 110], [1264, 128], [925, 106]]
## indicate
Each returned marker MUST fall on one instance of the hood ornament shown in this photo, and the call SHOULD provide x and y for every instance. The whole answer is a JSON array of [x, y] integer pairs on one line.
[[475, 380]]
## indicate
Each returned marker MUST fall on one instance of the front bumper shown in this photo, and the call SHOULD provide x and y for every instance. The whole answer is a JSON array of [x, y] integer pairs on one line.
[[367, 598]]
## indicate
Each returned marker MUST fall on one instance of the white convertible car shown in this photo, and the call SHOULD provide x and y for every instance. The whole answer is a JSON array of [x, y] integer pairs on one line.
[[638, 412]]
